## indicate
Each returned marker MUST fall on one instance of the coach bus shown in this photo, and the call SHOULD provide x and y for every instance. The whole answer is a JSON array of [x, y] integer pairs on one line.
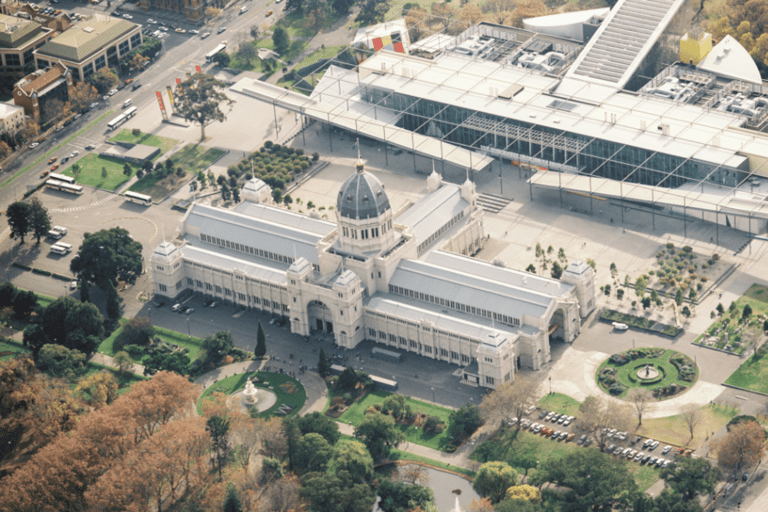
[[62, 178], [61, 248], [116, 122], [66, 187], [213, 52], [138, 198], [130, 112]]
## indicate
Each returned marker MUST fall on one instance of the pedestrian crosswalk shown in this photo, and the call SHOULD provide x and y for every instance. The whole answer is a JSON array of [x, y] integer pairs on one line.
[[84, 206]]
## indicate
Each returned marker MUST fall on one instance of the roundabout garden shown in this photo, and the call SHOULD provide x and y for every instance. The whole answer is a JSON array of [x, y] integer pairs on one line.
[[269, 394], [666, 373]]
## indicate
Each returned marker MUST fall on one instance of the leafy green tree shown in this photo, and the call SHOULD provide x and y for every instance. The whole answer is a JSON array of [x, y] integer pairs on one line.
[[295, 5], [112, 301], [177, 362], [261, 342], [372, 11], [59, 361], [39, 221], [594, 481], [747, 312], [347, 379], [463, 422], [218, 345], [518, 506], [401, 497], [138, 331], [640, 285], [342, 7], [123, 361], [236, 194], [323, 368], [379, 434], [127, 170], [690, 477], [493, 479], [320, 424], [277, 195], [232, 502], [104, 80], [667, 501], [292, 437], [281, 40], [108, 255], [68, 322], [329, 492], [524, 457], [8, 294], [531, 268], [218, 427], [226, 192], [18, 220], [557, 270], [679, 297], [395, 406], [24, 303], [202, 101], [353, 458], [313, 453]]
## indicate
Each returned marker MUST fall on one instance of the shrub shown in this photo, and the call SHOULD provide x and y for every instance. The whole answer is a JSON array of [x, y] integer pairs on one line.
[[315, 156]]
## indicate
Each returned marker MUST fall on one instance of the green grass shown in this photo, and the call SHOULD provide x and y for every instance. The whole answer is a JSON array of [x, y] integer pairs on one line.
[[560, 403], [319, 54], [297, 25], [194, 345], [195, 158], [164, 143], [757, 298], [9, 345], [673, 430], [356, 414], [267, 380], [106, 346], [49, 153], [125, 380], [626, 372], [90, 172]]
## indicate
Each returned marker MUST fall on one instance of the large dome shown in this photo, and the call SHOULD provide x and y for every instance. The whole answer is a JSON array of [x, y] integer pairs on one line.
[[362, 196]]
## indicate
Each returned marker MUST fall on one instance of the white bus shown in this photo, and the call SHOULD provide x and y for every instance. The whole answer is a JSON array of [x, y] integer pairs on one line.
[[138, 198], [116, 122], [66, 187], [61, 177], [213, 52], [130, 112], [58, 250], [55, 234], [60, 229], [63, 245]]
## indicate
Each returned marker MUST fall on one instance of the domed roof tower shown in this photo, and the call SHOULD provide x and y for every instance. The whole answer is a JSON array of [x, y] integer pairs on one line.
[[364, 213]]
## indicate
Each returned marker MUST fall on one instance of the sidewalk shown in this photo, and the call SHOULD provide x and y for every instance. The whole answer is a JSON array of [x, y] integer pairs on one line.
[[105, 360]]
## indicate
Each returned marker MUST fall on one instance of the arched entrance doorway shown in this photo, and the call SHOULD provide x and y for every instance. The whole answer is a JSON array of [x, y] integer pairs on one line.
[[556, 329], [320, 317]]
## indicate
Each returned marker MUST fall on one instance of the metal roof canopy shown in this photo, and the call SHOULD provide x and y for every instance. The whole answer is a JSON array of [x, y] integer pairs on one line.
[[364, 125]]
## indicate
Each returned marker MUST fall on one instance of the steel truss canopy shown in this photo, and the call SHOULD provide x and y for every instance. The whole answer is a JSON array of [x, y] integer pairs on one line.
[[360, 123]]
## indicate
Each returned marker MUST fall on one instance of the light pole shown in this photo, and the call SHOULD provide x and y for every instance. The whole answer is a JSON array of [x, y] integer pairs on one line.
[[188, 331], [633, 343], [433, 395], [550, 385], [149, 312]]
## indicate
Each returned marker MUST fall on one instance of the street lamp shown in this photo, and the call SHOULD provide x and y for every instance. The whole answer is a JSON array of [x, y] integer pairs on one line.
[[433, 395], [188, 331], [550, 385], [149, 312]]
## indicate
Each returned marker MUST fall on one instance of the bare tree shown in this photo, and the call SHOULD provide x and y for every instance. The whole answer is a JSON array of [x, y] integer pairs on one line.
[[691, 417], [597, 417], [641, 398], [509, 399], [413, 474]]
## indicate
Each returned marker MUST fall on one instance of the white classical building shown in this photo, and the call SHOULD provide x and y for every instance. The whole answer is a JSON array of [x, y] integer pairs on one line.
[[408, 282]]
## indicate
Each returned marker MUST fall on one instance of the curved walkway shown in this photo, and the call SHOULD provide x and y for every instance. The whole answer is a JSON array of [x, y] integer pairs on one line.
[[574, 375]]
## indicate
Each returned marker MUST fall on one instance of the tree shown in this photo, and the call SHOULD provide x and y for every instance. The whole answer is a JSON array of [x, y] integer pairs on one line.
[[691, 476], [177, 362], [509, 399], [295, 5], [108, 255], [53, 110], [312, 454], [81, 95], [640, 285], [236, 194], [59, 361], [372, 11], [401, 497], [594, 481], [232, 503], [342, 7], [138, 331], [138, 61], [747, 312], [24, 303], [98, 389], [323, 368], [277, 195], [531, 268], [741, 448], [524, 492], [217, 427], [281, 40], [351, 457], [557, 270], [261, 342], [524, 457], [202, 101], [123, 361], [720, 309], [104, 80], [463, 422], [316, 11], [5, 149], [597, 417], [39, 221], [641, 398], [218, 345], [692, 417], [493, 479], [320, 424], [328, 492], [222, 59], [127, 170], [68, 322], [31, 129], [18, 220], [379, 434], [347, 379]]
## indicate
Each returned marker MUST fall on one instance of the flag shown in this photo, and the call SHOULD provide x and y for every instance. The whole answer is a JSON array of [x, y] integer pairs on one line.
[[170, 94], [198, 69], [160, 101]]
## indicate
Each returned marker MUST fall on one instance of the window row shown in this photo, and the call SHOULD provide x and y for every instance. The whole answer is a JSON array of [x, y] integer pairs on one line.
[[244, 248], [408, 344], [437, 234]]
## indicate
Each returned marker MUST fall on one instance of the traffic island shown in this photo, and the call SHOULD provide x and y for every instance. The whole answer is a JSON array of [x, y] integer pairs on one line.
[[666, 373]]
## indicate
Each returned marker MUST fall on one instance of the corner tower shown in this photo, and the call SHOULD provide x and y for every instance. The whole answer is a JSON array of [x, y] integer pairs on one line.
[[363, 213]]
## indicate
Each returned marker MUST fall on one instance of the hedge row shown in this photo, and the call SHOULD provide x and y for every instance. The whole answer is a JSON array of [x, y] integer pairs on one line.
[[22, 266]]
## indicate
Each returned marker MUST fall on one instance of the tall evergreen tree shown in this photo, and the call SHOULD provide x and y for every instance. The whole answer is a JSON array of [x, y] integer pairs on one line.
[[39, 222], [232, 503], [261, 342], [18, 220], [323, 368]]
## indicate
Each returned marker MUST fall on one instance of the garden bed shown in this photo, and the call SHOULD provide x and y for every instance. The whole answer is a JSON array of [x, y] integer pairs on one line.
[[288, 390], [620, 373], [641, 323], [727, 333]]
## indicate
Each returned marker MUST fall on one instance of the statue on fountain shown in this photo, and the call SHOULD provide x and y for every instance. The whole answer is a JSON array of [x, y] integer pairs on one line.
[[249, 393], [647, 370]]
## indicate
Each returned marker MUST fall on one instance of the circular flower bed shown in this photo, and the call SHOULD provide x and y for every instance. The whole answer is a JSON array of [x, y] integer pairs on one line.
[[623, 371]]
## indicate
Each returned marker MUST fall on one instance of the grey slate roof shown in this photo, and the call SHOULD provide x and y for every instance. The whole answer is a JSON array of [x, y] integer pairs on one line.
[[432, 211], [362, 196], [288, 218], [216, 259], [254, 232]]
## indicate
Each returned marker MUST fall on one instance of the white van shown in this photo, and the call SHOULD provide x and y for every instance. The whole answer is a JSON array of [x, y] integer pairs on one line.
[[619, 326], [55, 234], [127, 103], [60, 229]]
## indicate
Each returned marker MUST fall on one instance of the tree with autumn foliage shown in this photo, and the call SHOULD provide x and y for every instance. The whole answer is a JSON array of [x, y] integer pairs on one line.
[[98, 389], [741, 448], [81, 95]]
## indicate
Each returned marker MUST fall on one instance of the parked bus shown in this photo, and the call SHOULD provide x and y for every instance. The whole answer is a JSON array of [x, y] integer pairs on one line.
[[66, 187], [55, 234], [61, 177], [213, 52], [116, 122], [130, 112], [138, 198], [63, 245], [58, 250], [60, 229]]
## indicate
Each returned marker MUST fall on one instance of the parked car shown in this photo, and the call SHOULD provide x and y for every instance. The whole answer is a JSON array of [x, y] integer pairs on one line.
[[570, 437], [44, 174], [631, 454], [74, 154], [269, 13], [34, 145], [542, 414], [90, 147], [562, 436], [582, 439], [221, 29], [561, 419], [666, 464], [73, 285], [54, 167], [588, 441], [555, 434], [204, 35], [549, 415], [53, 159], [188, 311], [176, 308], [626, 451], [652, 461], [666, 450], [195, 32], [645, 459], [653, 445], [214, 304], [618, 450], [181, 30], [660, 462], [159, 303], [647, 442], [610, 448], [639, 457]]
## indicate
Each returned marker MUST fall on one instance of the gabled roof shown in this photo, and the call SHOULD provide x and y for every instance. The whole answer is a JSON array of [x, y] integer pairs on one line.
[[41, 79], [86, 38], [433, 211]]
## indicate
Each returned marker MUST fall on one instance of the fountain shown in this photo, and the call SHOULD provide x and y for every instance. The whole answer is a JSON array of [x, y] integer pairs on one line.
[[647, 372], [249, 394]]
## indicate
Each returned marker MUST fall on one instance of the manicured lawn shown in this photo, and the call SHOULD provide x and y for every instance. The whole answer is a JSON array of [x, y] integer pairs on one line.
[[164, 143], [626, 374], [11, 346], [194, 345], [194, 158], [296, 25], [560, 403], [90, 172], [732, 324], [356, 414], [320, 53], [753, 373], [674, 431], [267, 380], [126, 380]]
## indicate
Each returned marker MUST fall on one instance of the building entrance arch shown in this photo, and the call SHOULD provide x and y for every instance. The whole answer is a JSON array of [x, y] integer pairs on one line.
[[556, 330], [319, 316]]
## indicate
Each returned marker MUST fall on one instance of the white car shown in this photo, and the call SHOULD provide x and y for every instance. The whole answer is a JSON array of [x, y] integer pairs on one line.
[[34, 145], [112, 92], [204, 35], [74, 154], [620, 326], [195, 32], [666, 450], [151, 21], [73, 285], [127, 16]]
